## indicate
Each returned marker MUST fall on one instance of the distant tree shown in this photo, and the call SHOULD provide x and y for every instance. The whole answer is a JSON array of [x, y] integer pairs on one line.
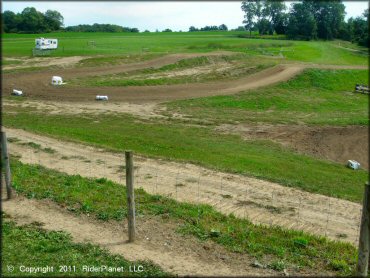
[[239, 28], [264, 14], [273, 11], [359, 29], [302, 24], [96, 27], [209, 28], [193, 29], [10, 22], [222, 27], [264, 27], [249, 8], [53, 19], [167, 30], [281, 24], [329, 17], [32, 21], [146, 31]]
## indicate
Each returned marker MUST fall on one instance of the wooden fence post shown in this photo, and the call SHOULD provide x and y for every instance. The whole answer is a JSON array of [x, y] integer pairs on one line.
[[363, 243], [130, 196], [6, 164]]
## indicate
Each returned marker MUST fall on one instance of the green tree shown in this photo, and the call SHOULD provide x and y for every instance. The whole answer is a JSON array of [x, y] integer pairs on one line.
[[53, 19], [360, 30], [32, 21], [193, 29], [222, 27], [249, 8], [264, 26], [10, 22], [302, 24], [281, 23], [273, 11], [329, 17]]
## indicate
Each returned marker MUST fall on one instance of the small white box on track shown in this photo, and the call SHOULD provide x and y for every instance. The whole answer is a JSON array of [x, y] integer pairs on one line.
[[101, 97], [353, 164], [17, 92]]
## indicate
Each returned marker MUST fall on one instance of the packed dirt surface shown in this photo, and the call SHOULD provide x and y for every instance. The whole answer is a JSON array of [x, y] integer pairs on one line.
[[156, 240], [37, 84], [260, 201], [338, 144], [146, 111], [44, 62], [37, 89]]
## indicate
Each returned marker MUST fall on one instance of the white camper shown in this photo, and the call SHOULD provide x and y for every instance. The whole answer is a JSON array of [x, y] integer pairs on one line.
[[56, 80], [42, 43]]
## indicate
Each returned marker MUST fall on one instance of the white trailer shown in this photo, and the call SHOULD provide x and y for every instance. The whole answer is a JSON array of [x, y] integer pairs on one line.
[[42, 43]]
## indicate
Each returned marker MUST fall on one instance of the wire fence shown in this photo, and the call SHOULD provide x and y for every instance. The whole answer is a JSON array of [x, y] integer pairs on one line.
[[259, 201]]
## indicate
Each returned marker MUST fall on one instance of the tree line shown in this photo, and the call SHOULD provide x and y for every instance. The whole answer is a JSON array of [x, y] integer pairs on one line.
[[222, 27], [100, 28], [31, 21], [305, 20]]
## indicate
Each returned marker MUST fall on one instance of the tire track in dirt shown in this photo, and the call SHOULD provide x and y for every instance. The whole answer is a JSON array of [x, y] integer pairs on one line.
[[39, 87], [261, 201], [37, 84], [156, 240]]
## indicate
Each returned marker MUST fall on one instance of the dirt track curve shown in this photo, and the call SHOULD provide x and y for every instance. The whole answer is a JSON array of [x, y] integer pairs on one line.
[[260, 201], [37, 84]]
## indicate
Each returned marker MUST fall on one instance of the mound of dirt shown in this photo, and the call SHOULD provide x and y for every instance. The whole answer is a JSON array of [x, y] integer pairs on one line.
[[333, 143]]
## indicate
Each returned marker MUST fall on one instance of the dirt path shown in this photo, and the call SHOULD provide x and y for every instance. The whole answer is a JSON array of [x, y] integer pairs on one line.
[[44, 62], [37, 84], [261, 201], [39, 88], [156, 240]]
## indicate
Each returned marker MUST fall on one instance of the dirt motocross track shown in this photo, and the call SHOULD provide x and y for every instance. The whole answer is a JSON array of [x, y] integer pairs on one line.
[[258, 200], [37, 84], [261, 201]]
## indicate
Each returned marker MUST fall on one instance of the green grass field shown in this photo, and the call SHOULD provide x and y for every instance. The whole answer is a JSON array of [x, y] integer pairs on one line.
[[315, 98], [279, 248], [76, 44], [199, 145], [31, 246], [325, 95]]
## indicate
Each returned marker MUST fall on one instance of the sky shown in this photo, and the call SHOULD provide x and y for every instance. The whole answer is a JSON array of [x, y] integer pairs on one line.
[[176, 15]]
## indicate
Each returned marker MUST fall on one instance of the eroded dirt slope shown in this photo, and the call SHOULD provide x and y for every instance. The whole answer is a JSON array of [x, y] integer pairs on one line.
[[333, 143], [260, 201]]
